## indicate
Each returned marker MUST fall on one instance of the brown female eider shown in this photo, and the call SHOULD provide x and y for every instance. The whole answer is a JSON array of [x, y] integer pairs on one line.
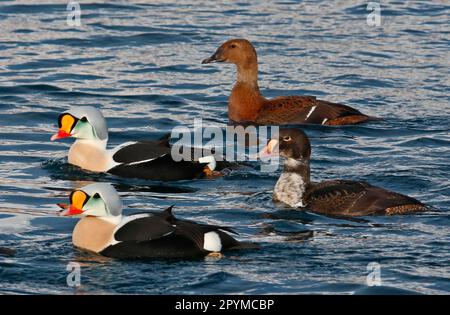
[[334, 197], [247, 105]]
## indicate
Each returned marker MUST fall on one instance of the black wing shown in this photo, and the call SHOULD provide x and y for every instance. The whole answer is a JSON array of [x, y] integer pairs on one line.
[[141, 151], [144, 229], [196, 232], [164, 228], [169, 247], [163, 168]]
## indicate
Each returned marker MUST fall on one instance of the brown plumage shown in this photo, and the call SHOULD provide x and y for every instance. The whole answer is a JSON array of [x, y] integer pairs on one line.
[[246, 104], [335, 197]]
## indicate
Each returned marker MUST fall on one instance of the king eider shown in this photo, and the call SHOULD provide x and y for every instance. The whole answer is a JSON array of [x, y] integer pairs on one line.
[[103, 229], [142, 159]]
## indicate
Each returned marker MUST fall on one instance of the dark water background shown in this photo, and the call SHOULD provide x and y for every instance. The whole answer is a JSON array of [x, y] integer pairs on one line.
[[140, 64]]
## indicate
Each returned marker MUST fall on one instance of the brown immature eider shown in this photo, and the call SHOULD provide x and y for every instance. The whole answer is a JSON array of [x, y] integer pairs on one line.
[[247, 105], [334, 197]]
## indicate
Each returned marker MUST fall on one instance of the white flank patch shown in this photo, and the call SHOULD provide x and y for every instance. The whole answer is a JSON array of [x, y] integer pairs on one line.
[[324, 121], [311, 111], [212, 242], [210, 160]]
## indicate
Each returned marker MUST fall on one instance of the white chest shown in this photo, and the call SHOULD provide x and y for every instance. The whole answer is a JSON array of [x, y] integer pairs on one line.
[[290, 189], [90, 157]]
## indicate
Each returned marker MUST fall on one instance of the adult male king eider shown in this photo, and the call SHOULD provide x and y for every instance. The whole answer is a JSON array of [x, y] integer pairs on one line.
[[143, 159], [334, 197], [103, 230]]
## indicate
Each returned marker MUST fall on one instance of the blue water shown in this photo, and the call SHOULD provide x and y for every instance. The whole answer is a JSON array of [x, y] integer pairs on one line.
[[140, 64]]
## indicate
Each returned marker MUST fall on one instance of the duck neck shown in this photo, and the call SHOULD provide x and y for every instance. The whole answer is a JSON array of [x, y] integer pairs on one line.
[[245, 100], [247, 73], [97, 143], [292, 184], [299, 167], [113, 219]]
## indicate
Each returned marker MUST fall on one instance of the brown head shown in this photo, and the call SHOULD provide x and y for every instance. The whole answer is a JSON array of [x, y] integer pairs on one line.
[[245, 100], [238, 51], [291, 144]]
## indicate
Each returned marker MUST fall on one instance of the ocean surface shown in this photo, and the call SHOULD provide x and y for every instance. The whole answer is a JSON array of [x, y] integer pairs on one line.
[[140, 63]]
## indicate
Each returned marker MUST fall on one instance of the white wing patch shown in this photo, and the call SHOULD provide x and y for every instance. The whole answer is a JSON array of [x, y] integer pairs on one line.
[[311, 111], [111, 153], [148, 160], [212, 242], [210, 159]]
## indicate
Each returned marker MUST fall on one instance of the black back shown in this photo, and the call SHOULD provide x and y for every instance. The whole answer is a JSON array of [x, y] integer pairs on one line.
[[141, 151], [161, 235], [163, 168], [170, 247]]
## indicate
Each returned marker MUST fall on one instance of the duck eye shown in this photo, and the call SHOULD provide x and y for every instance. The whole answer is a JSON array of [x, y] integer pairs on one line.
[[96, 196], [233, 46], [286, 138], [84, 119]]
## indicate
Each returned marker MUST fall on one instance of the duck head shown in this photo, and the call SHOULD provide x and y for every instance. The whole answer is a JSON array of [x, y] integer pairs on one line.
[[98, 200], [237, 51], [290, 143], [85, 123]]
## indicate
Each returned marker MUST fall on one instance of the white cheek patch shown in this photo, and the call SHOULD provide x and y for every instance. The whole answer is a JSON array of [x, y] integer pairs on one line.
[[210, 160], [212, 242]]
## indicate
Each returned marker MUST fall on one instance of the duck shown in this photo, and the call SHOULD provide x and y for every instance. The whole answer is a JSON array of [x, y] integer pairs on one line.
[[150, 160], [334, 197], [104, 230], [247, 105]]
